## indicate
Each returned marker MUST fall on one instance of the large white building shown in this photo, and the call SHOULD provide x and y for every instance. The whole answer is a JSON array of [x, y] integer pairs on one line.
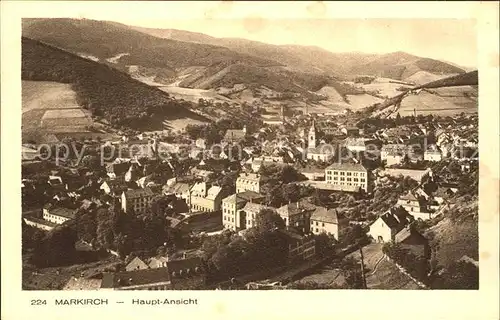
[[137, 200], [248, 182], [205, 198], [232, 218], [348, 175]]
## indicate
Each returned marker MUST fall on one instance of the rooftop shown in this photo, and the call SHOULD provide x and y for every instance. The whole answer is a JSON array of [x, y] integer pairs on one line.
[[324, 215], [243, 197], [347, 167], [295, 208], [139, 193], [62, 212], [253, 207]]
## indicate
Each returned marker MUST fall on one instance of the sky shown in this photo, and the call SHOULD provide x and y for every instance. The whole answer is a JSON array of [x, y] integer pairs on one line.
[[432, 31]]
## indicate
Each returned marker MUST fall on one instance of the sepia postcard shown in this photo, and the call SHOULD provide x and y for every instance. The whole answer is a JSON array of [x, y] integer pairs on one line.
[[178, 158]]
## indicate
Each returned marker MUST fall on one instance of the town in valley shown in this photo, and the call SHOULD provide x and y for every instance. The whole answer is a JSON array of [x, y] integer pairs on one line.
[[157, 159]]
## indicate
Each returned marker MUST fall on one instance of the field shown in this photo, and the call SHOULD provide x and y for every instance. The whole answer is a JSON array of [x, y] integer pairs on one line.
[[422, 77], [47, 95], [426, 103], [193, 94], [51, 106], [360, 101], [384, 86]]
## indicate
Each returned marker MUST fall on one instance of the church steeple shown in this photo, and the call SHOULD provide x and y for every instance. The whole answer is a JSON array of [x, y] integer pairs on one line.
[[311, 142]]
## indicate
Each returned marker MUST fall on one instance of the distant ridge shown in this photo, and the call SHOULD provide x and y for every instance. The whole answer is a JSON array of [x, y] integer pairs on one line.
[[105, 91]]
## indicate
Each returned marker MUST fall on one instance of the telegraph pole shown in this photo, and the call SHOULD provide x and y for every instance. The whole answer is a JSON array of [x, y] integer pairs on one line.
[[362, 268]]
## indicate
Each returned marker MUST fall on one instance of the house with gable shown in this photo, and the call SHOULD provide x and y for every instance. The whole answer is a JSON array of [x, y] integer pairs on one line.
[[136, 264], [297, 215], [387, 225], [328, 221]]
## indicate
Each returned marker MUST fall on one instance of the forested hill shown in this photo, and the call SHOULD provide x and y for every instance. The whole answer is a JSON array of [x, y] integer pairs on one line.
[[105, 91]]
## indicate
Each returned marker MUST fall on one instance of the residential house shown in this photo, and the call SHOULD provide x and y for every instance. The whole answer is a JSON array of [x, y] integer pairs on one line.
[[205, 198], [300, 247], [58, 215], [232, 218], [249, 212], [348, 175], [328, 221], [137, 200], [385, 228], [248, 182], [409, 238], [297, 215], [136, 264]]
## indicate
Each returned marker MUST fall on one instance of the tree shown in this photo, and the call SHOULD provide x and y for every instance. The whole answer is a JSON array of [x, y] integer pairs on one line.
[[351, 270], [291, 192], [354, 234], [267, 220], [57, 248]]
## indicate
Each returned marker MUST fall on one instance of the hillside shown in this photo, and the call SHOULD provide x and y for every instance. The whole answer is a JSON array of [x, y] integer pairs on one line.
[[161, 61], [106, 40], [401, 65], [104, 91], [295, 57]]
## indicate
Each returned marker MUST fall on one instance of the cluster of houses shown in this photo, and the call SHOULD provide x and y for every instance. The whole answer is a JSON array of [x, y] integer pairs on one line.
[[129, 182]]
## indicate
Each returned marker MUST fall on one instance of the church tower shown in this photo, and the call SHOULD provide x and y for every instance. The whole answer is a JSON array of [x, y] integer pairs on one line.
[[311, 142]]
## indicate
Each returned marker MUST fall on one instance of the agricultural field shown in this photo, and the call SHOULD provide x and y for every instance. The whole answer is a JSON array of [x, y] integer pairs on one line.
[[193, 95], [51, 106], [427, 103], [422, 77], [360, 101], [47, 95]]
